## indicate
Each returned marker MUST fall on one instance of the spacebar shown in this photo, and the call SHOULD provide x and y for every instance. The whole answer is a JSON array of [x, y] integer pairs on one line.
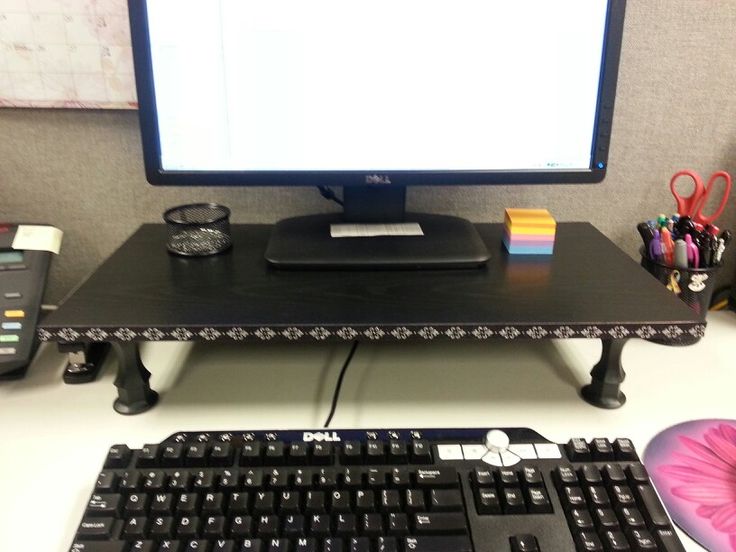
[[437, 544]]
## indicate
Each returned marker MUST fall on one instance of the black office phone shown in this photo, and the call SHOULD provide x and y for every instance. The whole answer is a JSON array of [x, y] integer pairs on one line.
[[22, 281]]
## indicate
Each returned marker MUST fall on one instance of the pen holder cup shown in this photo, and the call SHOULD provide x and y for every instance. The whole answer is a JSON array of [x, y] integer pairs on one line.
[[694, 286], [198, 229]]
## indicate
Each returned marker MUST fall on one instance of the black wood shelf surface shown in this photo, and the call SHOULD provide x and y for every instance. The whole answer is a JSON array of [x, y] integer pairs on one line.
[[587, 288]]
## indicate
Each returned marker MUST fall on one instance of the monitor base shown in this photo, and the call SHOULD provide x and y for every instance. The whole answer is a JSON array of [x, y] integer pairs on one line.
[[304, 243]]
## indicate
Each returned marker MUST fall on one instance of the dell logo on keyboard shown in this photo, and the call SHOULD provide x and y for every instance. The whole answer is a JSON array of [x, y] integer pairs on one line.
[[321, 436], [377, 179]]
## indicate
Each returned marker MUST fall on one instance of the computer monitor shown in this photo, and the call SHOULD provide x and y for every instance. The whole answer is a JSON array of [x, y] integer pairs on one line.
[[374, 96]]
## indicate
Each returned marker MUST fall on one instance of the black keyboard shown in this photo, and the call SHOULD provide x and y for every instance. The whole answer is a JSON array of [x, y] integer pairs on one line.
[[431, 490]]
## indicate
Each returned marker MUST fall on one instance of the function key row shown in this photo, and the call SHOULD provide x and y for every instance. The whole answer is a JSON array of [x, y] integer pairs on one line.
[[276, 478], [275, 453]]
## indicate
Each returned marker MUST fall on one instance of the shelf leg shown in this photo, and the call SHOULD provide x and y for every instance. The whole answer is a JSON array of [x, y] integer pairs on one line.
[[604, 390], [134, 393]]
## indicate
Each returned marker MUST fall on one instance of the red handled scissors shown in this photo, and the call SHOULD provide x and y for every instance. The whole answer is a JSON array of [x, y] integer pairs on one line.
[[692, 206]]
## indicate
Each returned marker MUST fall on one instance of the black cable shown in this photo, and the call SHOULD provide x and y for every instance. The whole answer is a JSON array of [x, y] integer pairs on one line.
[[327, 193], [336, 394]]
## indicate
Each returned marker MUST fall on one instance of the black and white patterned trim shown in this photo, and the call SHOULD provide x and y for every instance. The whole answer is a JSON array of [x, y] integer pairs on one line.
[[370, 333]]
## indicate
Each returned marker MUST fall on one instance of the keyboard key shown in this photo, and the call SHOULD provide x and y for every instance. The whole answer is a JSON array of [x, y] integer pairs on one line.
[[420, 452], [513, 501], [148, 456], [482, 477], [588, 541], [375, 452], [305, 545], [538, 501], [222, 545], [275, 454], [602, 450], [322, 454], [624, 450], [437, 544], [103, 505], [351, 453], [637, 473], [578, 450], [615, 541], [564, 476], [581, 520], [572, 498], [531, 476], [221, 454], [387, 544], [172, 455], [143, 546], [524, 543], [605, 519], [398, 452], [590, 474], [250, 454], [196, 455], [642, 540], [444, 500], [360, 544], [443, 523], [487, 501], [95, 528], [92, 546], [651, 508], [117, 457], [437, 477]]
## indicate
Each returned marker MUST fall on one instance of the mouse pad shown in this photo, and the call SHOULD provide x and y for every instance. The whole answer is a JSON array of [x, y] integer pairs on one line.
[[693, 466]]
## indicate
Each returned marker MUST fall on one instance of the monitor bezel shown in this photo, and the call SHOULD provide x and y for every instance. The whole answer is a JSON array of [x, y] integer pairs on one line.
[[157, 175]]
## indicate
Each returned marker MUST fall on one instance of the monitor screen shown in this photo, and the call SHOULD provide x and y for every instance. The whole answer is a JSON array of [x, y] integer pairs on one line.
[[452, 91]]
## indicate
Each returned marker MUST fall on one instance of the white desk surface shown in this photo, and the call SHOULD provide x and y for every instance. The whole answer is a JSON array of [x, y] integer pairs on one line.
[[54, 437]]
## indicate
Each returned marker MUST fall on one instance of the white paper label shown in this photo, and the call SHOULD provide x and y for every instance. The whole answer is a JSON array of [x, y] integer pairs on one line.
[[38, 238], [373, 230]]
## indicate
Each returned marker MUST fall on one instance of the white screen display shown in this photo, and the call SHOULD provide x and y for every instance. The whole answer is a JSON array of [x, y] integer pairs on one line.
[[379, 85]]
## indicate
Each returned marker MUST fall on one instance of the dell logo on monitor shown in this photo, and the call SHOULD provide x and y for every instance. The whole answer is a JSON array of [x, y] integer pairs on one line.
[[321, 436], [377, 179]]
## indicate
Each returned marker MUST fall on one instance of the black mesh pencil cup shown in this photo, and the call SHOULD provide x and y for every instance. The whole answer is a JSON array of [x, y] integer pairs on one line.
[[198, 229], [694, 286]]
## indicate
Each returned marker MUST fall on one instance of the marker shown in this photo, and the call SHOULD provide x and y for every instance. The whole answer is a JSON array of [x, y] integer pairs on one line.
[[647, 234], [721, 249], [668, 246], [693, 255], [655, 247], [680, 254]]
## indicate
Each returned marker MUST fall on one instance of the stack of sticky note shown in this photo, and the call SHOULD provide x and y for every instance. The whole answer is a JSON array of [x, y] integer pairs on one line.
[[529, 231]]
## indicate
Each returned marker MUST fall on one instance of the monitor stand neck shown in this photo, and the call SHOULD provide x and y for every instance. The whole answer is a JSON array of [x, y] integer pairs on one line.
[[306, 243], [374, 203]]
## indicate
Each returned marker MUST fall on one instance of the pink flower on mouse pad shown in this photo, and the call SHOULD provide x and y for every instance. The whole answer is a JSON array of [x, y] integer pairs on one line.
[[707, 477]]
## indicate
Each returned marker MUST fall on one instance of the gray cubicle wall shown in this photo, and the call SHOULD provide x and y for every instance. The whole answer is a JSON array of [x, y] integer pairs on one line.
[[676, 108]]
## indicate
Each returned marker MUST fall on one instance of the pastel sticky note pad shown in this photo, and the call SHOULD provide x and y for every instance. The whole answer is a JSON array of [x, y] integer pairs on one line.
[[540, 230], [515, 249], [531, 239], [530, 217]]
